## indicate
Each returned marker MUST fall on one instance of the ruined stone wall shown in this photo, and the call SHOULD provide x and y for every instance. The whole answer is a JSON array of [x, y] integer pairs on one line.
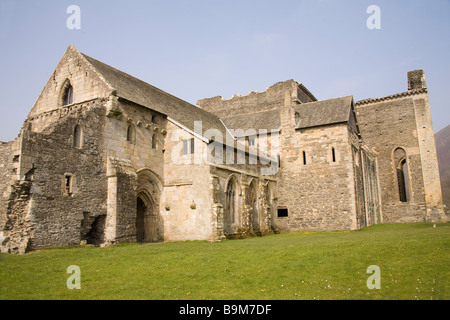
[[15, 200], [8, 171], [391, 123], [319, 195], [58, 185], [58, 210], [120, 220], [271, 98], [6, 161]]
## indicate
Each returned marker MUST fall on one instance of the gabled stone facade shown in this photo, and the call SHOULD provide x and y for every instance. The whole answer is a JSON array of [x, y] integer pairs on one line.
[[400, 130], [105, 158]]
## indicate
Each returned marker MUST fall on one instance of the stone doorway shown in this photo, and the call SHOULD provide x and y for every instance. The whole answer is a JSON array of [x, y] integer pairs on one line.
[[149, 222], [141, 211], [146, 220]]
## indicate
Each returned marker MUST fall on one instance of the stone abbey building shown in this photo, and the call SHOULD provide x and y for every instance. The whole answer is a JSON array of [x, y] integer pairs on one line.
[[105, 158]]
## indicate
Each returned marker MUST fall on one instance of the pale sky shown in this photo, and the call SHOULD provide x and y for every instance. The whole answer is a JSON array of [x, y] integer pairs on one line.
[[198, 49]]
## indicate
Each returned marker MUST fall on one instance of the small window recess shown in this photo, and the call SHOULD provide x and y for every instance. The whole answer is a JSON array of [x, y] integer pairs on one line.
[[131, 134], [403, 182], [77, 137], [154, 142], [68, 185], [282, 212]]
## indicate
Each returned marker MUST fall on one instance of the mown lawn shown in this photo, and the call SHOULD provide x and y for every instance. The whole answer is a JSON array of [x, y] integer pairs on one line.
[[413, 260]]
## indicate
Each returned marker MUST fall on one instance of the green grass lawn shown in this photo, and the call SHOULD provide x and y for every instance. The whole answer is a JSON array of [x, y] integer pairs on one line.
[[413, 260]]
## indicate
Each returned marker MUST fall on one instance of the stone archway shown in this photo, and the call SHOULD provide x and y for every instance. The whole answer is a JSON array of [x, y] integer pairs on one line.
[[149, 224], [146, 219], [141, 212], [232, 207]]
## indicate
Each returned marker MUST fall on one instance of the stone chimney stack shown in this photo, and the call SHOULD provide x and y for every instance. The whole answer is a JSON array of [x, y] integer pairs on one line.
[[416, 80]]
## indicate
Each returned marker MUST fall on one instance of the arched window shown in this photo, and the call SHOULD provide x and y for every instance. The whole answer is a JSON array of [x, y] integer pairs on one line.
[[402, 174], [252, 203], [67, 93], [131, 134], [77, 137], [297, 118], [231, 205]]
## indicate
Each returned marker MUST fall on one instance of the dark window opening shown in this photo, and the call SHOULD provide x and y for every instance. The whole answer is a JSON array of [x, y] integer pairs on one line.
[[140, 220], [304, 158], [403, 186], [77, 137], [68, 184], [333, 154], [154, 141], [131, 134], [68, 95], [282, 212]]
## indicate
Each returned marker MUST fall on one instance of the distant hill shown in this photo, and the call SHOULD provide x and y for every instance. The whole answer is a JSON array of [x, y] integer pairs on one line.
[[443, 153]]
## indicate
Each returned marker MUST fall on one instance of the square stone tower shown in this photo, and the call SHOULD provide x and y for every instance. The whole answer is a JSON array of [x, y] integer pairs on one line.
[[400, 129]]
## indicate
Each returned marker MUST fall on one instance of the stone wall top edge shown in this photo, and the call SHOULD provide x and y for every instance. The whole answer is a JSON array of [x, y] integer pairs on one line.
[[391, 97], [254, 92], [67, 107]]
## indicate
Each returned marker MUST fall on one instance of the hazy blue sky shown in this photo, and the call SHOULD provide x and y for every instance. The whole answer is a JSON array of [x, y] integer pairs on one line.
[[198, 49]]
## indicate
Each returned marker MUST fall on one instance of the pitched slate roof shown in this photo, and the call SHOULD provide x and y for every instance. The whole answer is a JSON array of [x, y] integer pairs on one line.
[[325, 112], [269, 120], [144, 94]]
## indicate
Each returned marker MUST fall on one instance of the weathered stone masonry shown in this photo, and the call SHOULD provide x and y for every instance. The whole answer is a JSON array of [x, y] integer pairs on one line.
[[105, 158], [399, 128]]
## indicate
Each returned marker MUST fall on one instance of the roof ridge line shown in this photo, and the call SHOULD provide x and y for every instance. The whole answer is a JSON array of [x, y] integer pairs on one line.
[[98, 73]]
